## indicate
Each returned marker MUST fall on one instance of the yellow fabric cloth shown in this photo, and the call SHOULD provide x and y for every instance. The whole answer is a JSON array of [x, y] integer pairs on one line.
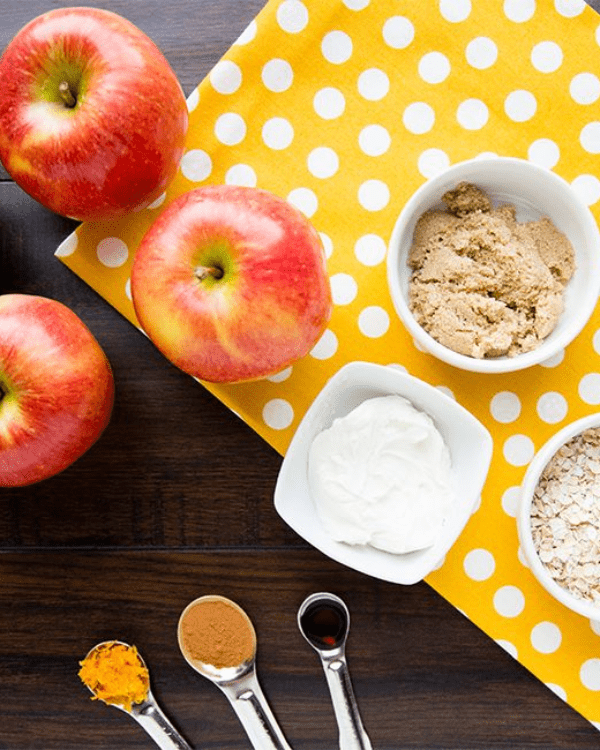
[[345, 107]]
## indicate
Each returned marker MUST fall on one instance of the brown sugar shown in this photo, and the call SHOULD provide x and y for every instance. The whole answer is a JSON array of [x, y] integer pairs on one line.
[[215, 631], [483, 284]]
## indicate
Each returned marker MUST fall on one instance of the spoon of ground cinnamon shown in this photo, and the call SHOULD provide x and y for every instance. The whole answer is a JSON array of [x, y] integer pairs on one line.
[[116, 674], [218, 640]]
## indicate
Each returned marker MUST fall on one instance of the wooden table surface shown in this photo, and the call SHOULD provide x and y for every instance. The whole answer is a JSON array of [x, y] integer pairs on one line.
[[175, 501]]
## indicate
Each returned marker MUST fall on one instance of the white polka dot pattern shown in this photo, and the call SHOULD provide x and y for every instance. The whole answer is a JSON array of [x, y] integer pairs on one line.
[[418, 117], [282, 376], [590, 674], [336, 47], [373, 322], [343, 288], [432, 161], [455, 11], [434, 67], [370, 249], [398, 32], [292, 16], [546, 57], [479, 564], [505, 407], [472, 114], [329, 103], [278, 414], [373, 195], [481, 52], [510, 500], [585, 88], [519, 11], [230, 129], [196, 165], [278, 133], [544, 152], [112, 252], [226, 77], [326, 346], [373, 84], [546, 637], [67, 247], [305, 200], [323, 162], [518, 450], [241, 174], [509, 601]]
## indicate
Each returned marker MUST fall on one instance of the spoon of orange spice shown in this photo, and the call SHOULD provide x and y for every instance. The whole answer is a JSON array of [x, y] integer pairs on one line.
[[116, 674]]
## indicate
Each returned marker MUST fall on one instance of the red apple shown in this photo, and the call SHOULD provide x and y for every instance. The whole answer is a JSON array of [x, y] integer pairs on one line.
[[92, 117], [230, 283], [56, 389]]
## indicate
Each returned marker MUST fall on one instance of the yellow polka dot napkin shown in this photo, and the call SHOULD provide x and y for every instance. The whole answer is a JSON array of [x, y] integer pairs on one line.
[[345, 107]]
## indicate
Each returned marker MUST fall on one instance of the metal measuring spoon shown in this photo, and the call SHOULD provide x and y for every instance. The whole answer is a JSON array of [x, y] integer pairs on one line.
[[148, 713], [324, 621], [240, 685]]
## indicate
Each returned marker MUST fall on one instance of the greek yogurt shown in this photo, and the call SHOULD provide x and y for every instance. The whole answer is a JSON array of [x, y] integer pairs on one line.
[[381, 476]]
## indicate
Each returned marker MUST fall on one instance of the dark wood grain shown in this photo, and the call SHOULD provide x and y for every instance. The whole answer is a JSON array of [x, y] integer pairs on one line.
[[176, 501], [425, 677]]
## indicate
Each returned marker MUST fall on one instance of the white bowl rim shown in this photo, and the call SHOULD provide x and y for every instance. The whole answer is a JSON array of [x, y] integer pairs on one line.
[[528, 485], [586, 304], [347, 554]]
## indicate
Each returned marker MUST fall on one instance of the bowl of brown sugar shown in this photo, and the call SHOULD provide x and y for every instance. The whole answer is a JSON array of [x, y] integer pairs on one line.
[[558, 518], [492, 265]]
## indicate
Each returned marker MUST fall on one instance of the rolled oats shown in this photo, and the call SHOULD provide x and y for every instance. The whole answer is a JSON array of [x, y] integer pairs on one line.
[[565, 516]]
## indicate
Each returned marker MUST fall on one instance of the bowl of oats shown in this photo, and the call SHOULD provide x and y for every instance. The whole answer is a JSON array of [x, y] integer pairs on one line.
[[558, 518], [492, 265]]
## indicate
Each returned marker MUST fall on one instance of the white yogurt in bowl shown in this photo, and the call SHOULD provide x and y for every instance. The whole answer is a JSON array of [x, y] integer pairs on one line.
[[381, 475]]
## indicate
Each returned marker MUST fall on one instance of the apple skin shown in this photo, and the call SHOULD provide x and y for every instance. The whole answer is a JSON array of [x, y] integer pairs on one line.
[[269, 307], [56, 389], [117, 149]]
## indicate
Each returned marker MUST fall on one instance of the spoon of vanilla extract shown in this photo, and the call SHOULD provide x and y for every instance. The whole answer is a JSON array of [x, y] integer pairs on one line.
[[324, 621]]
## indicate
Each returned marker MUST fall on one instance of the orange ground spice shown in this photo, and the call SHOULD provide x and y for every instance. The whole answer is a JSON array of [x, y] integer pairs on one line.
[[116, 674], [216, 631]]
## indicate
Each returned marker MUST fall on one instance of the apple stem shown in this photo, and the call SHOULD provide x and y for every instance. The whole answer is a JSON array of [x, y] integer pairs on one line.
[[203, 272], [67, 95]]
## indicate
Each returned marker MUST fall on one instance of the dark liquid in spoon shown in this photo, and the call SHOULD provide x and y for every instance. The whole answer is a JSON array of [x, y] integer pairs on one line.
[[324, 624]]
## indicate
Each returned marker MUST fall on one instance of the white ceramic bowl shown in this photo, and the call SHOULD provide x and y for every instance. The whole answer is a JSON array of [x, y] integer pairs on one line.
[[535, 192], [468, 441], [528, 485]]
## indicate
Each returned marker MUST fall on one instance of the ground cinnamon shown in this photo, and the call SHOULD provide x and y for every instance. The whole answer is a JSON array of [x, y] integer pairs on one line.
[[216, 631]]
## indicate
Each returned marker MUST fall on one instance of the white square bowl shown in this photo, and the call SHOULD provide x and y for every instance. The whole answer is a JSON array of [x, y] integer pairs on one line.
[[468, 441]]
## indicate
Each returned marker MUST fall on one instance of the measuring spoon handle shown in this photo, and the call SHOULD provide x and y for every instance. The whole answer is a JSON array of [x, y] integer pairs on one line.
[[151, 718], [352, 733], [254, 713]]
